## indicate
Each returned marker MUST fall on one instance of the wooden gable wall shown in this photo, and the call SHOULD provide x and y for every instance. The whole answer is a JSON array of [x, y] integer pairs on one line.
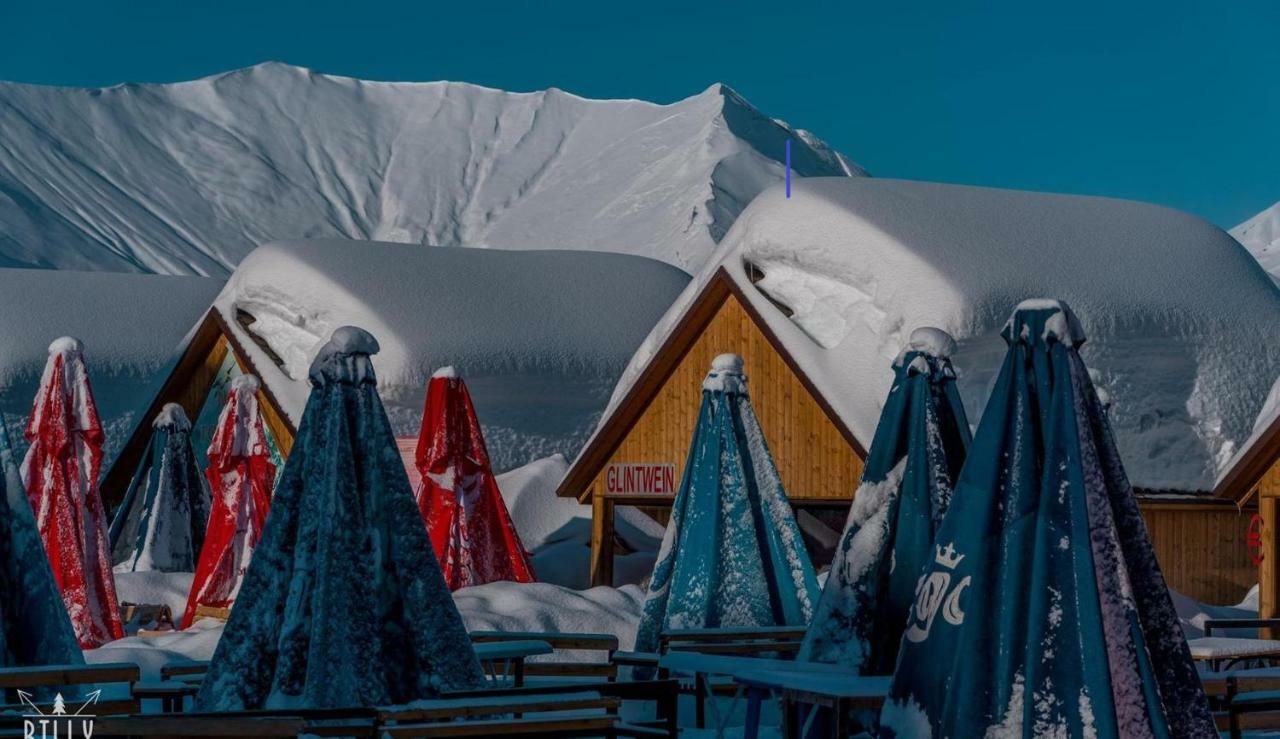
[[814, 458]]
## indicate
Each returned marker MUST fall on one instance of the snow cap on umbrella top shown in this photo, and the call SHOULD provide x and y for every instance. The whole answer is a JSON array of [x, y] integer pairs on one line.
[[246, 383], [1043, 320], [932, 341], [447, 372], [172, 418], [345, 358], [726, 375], [68, 345]]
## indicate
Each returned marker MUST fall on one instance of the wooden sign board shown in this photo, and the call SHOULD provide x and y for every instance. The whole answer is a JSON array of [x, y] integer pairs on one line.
[[640, 479]]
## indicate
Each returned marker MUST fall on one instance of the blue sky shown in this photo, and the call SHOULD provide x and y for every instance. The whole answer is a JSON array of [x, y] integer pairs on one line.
[[1176, 102]]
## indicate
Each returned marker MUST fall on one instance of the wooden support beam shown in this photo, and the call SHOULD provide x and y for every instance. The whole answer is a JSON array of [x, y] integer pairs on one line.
[[1268, 506], [601, 540]]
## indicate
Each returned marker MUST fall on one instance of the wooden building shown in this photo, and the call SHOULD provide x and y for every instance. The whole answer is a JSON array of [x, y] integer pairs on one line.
[[1201, 541], [1253, 483], [428, 307]]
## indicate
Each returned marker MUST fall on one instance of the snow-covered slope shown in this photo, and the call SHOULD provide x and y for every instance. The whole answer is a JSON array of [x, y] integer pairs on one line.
[[1261, 236], [540, 336], [131, 326], [1183, 328], [187, 178]]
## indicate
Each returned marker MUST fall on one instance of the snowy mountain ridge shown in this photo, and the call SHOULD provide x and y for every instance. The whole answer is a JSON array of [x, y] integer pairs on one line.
[[187, 178], [1261, 236]]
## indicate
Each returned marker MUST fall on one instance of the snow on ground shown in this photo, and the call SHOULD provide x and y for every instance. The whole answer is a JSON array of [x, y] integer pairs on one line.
[[1183, 328], [1261, 236], [1192, 615], [501, 606], [131, 326], [187, 178], [557, 532], [540, 336]]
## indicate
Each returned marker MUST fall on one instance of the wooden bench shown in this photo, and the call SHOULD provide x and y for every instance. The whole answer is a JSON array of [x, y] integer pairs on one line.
[[562, 641], [19, 681], [203, 612], [584, 709], [220, 726], [733, 640], [193, 672]]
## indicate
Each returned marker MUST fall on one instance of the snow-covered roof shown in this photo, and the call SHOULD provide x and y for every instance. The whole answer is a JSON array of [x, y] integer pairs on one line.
[[1183, 327], [131, 326], [540, 336]]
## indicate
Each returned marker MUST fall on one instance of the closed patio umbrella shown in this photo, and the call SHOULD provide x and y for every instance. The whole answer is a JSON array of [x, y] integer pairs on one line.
[[1042, 611], [240, 474], [917, 451], [471, 529], [732, 554], [161, 523], [343, 603], [60, 471], [34, 628]]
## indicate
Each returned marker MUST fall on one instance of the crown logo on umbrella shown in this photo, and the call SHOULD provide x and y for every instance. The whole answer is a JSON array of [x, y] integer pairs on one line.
[[948, 557]]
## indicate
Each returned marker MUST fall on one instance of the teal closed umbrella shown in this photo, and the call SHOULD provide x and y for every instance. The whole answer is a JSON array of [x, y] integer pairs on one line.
[[917, 451], [1043, 611], [732, 554]]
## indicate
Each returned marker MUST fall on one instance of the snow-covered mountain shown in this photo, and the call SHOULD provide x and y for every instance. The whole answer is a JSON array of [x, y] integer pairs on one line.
[[187, 178], [1261, 236]]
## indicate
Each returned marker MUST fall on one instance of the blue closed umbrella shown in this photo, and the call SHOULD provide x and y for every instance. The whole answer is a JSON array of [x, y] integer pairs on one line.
[[161, 523], [34, 627], [732, 554], [1043, 611], [343, 603], [917, 451]]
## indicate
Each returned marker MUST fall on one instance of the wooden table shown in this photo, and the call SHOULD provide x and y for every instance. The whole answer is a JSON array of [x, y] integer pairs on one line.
[[703, 666], [842, 694], [511, 654], [1220, 651]]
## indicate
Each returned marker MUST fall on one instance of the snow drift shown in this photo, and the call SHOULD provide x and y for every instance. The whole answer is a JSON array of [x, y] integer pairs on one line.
[[187, 178], [1184, 328], [541, 336]]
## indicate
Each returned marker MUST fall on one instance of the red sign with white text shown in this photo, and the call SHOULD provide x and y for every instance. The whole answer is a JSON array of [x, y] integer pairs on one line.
[[641, 479]]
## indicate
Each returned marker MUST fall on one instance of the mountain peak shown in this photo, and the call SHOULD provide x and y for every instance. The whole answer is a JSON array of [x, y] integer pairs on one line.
[[1261, 236], [187, 178]]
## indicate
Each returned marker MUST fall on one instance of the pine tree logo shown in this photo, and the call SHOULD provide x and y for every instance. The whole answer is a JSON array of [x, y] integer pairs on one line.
[[57, 723]]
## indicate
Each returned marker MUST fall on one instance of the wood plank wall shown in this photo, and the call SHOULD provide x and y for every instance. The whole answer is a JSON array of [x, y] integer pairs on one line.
[[1202, 548], [1268, 496], [813, 458]]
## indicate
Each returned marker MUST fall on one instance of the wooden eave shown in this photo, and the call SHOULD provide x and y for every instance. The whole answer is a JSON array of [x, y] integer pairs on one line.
[[1242, 479]]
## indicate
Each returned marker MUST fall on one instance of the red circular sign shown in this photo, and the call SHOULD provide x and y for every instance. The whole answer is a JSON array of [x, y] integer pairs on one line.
[[1253, 540]]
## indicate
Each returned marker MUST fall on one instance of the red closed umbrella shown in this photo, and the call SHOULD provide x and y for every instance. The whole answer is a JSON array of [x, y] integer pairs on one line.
[[60, 472], [240, 476], [470, 528]]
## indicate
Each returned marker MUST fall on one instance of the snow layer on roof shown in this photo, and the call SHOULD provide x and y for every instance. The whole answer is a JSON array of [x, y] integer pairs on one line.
[[131, 327], [541, 336], [1183, 328]]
